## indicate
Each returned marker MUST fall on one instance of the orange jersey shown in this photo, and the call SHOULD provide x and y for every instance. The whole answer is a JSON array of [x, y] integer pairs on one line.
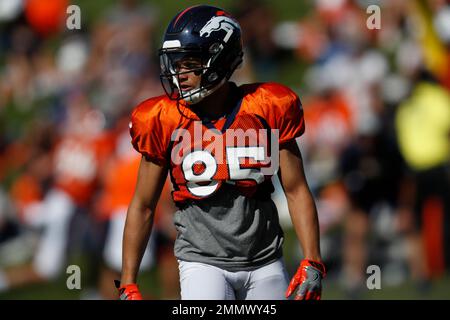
[[118, 189], [119, 182], [203, 155], [77, 162], [330, 121]]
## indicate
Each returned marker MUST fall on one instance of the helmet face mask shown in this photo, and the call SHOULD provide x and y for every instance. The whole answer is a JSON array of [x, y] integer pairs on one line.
[[176, 63], [211, 39]]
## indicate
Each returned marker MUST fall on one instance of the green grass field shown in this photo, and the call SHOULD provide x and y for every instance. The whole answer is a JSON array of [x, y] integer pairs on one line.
[[148, 281], [440, 290]]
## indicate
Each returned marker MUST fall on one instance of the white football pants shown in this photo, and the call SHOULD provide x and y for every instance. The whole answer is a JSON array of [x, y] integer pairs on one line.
[[201, 281]]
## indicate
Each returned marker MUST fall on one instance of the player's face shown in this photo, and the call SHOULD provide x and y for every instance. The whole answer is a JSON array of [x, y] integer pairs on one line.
[[189, 76]]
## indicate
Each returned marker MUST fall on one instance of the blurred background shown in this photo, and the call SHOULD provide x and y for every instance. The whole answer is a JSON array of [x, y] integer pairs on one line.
[[376, 147]]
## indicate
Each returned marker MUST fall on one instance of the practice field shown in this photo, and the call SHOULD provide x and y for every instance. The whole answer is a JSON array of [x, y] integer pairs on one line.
[[150, 289]]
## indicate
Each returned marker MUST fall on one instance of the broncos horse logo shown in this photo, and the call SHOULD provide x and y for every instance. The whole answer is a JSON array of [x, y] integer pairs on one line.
[[219, 23]]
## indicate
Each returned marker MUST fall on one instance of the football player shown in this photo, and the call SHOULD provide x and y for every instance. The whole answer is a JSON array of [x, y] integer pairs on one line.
[[220, 144]]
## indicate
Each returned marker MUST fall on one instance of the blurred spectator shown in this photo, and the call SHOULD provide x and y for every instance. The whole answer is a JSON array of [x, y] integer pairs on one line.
[[372, 172], [75, 163], [423, 131]]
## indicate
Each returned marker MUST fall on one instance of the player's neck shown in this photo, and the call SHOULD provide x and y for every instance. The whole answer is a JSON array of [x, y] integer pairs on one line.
[[215, 105]]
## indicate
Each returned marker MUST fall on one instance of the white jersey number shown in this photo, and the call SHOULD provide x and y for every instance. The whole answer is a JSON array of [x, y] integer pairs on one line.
[[196, 182]]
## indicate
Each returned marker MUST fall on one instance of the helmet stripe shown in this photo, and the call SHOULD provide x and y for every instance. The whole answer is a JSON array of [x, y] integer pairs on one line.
[[182, 13]]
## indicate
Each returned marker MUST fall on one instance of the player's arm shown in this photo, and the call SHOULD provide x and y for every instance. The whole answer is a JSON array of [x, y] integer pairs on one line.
[[139, 221], [303, 213]]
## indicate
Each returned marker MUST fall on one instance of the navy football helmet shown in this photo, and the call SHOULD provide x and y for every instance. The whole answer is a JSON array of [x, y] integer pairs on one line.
[[208, 35]]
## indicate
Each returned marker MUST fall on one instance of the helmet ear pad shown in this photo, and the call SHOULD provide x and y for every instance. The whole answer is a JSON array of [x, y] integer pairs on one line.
[[221, 64]]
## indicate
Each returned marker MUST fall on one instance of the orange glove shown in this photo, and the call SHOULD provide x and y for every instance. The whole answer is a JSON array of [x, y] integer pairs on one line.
[[308, 281], [128, 291]]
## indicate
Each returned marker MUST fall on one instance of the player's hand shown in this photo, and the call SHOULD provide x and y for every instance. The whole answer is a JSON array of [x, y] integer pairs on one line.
[[128, 291], [308, 280]]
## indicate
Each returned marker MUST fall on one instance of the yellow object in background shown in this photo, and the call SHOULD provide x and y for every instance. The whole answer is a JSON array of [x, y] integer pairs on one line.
[[423, 127], [434, 52]]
